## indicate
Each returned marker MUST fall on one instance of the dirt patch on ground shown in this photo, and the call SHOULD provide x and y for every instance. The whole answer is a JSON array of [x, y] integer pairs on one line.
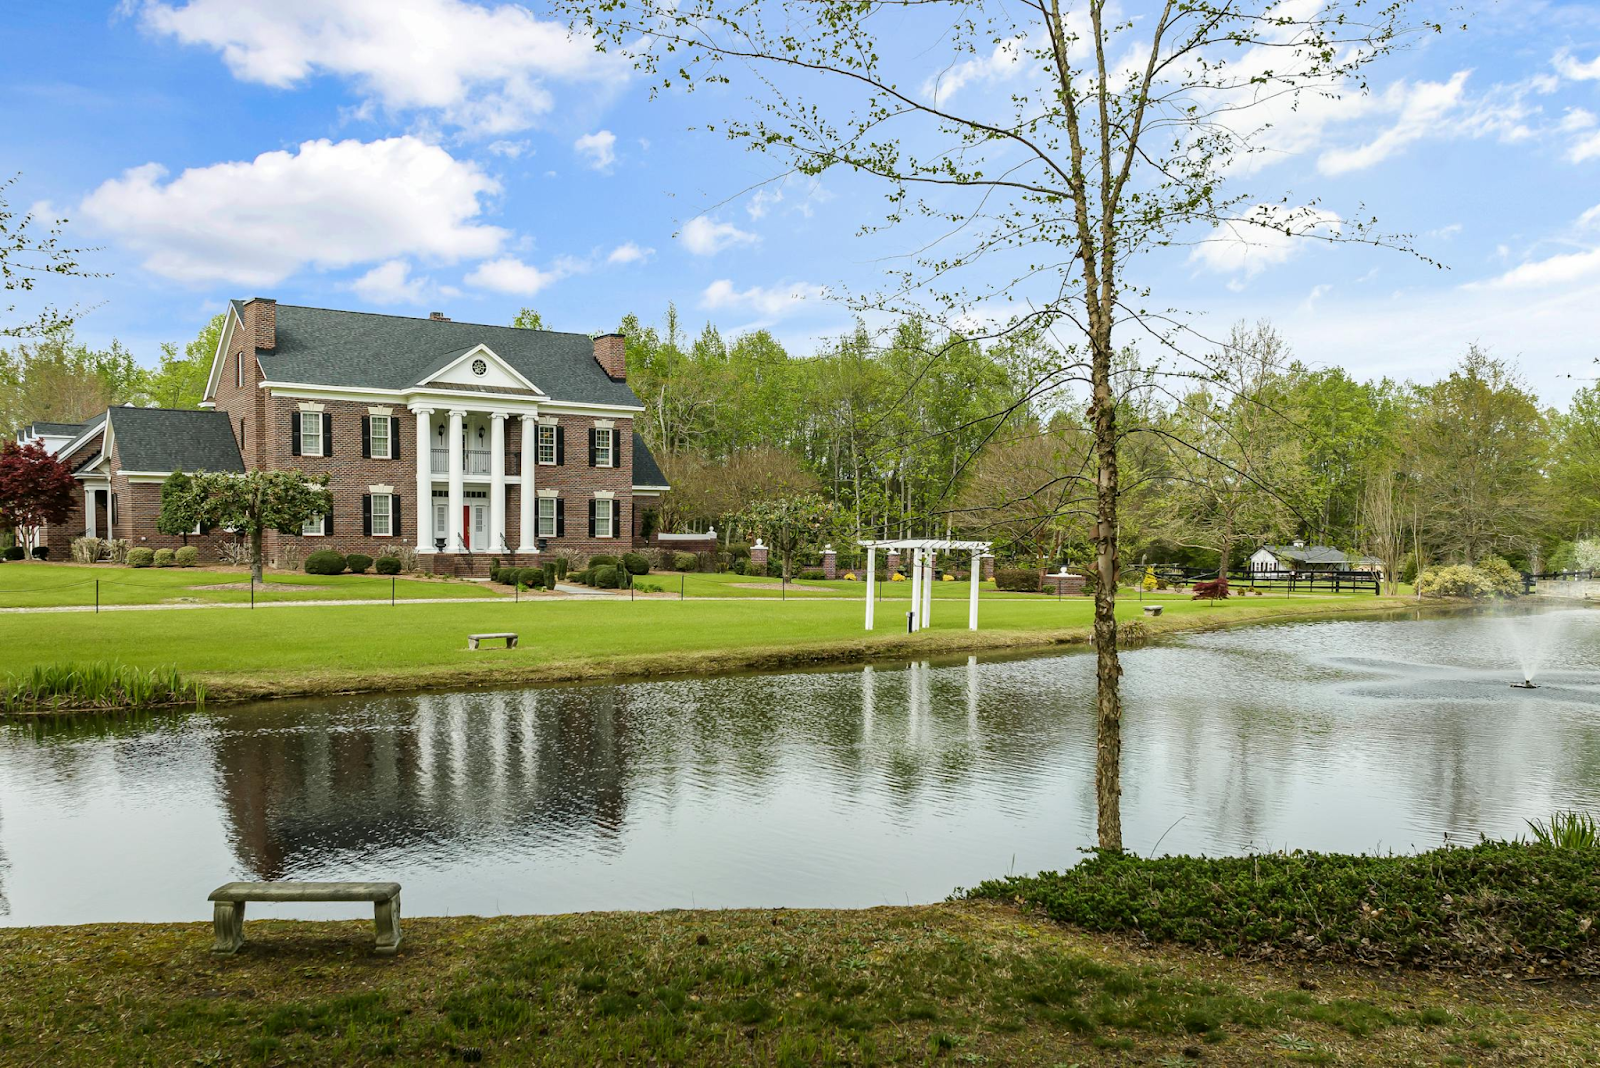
[[259, 586]]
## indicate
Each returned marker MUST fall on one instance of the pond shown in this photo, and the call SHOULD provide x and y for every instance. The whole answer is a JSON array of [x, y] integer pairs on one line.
[[878, 785]]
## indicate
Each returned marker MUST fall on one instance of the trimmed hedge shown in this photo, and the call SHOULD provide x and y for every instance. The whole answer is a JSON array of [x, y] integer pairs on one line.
[[15, 552], [605, 577], [41, 552], [636, 563], [550, 575], [1501, 905], [685, 562], [186, 556], [164, 558], [811, 576], [1017, 580], [601, 560], [139, 556], [358, 563], [325, 562], [531, 577], [387, 565]]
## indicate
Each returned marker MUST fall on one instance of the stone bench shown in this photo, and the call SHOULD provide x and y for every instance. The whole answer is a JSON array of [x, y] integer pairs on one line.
[[509, 636], [229, 899], [1153, 609]]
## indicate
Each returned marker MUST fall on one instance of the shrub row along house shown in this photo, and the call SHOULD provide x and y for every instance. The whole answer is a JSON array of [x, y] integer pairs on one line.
[[459, 440]]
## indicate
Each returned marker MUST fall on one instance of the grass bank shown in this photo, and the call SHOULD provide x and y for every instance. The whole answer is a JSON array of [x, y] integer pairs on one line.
[[1523, 909], [332, 649], [947, 984], [31, 584]]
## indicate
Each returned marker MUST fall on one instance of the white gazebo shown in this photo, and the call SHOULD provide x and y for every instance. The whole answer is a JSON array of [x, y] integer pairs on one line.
[[922, 550]]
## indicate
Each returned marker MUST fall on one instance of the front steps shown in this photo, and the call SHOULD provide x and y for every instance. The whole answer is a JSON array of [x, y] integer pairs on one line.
[[473, 565]]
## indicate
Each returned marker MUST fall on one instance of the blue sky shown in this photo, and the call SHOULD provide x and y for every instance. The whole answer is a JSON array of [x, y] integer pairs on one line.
[[467, 157]]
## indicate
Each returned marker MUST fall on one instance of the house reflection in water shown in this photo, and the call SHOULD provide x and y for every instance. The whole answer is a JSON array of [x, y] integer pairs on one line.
[[425, 774]]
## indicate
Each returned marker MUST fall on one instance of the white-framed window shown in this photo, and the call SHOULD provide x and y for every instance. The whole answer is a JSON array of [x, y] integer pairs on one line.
[[238, 369], [547, 517], [602, 447], [602, 518], [311, 433], [378, 437], [547, 444], [382, 510], [313, 527]]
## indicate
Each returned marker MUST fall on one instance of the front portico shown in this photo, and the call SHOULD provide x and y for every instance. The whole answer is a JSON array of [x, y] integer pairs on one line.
[[463, 469]]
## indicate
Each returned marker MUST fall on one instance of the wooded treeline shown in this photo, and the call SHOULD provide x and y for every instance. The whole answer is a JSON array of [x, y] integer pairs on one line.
[[911, 432]]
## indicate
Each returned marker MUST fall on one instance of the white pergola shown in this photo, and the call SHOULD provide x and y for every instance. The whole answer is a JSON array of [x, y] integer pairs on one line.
[[922, 550]]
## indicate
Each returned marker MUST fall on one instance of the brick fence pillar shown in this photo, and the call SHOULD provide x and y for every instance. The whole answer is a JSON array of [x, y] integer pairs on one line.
[[891, 563], [758, 555], [986, 567], [830, 562]]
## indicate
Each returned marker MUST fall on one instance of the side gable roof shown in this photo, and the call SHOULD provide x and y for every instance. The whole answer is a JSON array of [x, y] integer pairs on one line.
[[325, 347], [174, 439], [646, 472]]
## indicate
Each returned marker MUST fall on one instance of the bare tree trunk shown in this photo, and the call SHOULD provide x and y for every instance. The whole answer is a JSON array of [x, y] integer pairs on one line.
[[255, 555], [1108, 666]]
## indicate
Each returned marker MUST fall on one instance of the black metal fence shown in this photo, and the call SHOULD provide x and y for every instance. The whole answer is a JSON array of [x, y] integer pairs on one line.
[[1282, 581]]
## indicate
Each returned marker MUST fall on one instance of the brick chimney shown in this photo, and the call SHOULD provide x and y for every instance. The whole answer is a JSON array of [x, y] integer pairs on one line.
[[612, 356], [439, 317], [263, 317]]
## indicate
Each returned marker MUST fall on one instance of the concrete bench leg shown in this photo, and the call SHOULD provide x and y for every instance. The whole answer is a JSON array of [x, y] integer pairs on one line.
[[472, 643], [227, 918], [386, 922]]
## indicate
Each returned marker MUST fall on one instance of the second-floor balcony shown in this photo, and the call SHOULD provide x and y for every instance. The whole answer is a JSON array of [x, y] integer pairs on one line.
[[473, 462]]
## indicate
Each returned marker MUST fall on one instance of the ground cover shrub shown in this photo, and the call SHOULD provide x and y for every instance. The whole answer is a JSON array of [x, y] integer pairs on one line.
[[100, 686], [685, 562], [647, 587], [387, 565], [578, 578], [1457, 580], [756, 570], [358, 563], [1017, 580], [811, 576], [141, 557], [494, 569], [163, 558], [186, 556], [1496, 905], [605, 577], [636, 563], [14, 552], [325, 562], [531, 577], [1211, 590]]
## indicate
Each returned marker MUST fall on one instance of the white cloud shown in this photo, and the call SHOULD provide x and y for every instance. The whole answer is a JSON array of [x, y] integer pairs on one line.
[[768, 301], [704, 237], [629, 253], [1586, 142], [480, 67], [1577, 70], [1590, 218], [390, 283], [1444, 233], [1264, 236], [1003, 63], [510, 149], [1562, 269], [761, 202], [1316, 294], [510, 275], [599, 148], [324, 204], [1422, 110]]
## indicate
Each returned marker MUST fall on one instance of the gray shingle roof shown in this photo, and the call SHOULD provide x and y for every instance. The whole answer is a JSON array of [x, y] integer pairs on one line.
[[57, 429], [646, 472], [1318, 554], [173, 439], [326, 347]]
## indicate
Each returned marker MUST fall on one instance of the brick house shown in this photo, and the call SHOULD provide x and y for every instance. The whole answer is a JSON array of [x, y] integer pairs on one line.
[[459, 440]]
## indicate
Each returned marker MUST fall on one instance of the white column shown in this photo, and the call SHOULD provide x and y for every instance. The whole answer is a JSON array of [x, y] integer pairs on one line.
[[497, 482], [423, 509], [872, 587], [916, 589], [972, 600], [88, 512], [527, 492], [452, 515], [927, 588]]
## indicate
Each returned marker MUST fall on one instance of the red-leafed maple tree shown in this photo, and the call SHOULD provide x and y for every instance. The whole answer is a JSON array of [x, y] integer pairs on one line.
[[35, 489]]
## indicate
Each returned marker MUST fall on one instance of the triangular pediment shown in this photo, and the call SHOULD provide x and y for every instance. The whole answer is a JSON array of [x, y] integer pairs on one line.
[[480, 369]]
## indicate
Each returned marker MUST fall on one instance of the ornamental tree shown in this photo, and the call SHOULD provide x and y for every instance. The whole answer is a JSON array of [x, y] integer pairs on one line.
[[35, 489], [789, 524], [180, 508], [257, 501]]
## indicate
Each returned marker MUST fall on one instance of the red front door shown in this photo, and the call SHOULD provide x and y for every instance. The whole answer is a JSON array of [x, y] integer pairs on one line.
[[466, 525]]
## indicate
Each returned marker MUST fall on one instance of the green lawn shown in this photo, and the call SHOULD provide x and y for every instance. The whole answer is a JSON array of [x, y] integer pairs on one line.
[[315, 649], [33, 585], [943, 984]]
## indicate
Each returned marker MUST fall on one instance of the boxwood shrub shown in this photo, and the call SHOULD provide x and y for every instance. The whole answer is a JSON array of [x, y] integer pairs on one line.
[[561, 567], [605, 577], [602, 560], [531, 577], [41, 552], [550, 575], [163, 558], [636, 563], [1017, 579], [186, 556], [756, 570], [812, 576], [685, 562], [325, 562], [358, 563], [387, 565], [140, 556]]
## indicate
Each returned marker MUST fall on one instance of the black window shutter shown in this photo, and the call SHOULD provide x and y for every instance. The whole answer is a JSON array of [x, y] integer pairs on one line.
[[616, 518], [113, 512], [394, 514], [366, 437], [616, 449], [366, 514], [592, 503], [561, 445], [594, 438], [394, 440], [294, 433], [327, 521], [327, 433], [561, 517]]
